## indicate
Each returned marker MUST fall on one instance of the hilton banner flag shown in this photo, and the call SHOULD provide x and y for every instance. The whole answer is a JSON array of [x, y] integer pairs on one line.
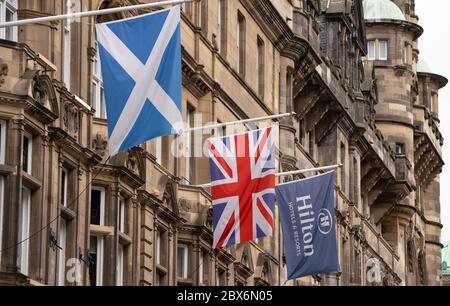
[[141, 69], [308, 224]]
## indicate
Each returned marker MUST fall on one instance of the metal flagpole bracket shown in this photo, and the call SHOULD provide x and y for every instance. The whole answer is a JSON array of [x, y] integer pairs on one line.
[[91, 13], [303, 171]]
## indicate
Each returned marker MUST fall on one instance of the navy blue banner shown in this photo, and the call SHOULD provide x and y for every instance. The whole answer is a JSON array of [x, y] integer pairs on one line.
[[308, 222]]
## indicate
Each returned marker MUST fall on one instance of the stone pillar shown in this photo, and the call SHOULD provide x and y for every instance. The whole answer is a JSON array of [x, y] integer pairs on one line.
[[433, 226], [13, 192], [287, 130]]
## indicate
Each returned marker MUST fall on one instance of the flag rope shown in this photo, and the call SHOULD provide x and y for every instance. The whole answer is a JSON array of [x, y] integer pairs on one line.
[[282, 174], [91, 13]]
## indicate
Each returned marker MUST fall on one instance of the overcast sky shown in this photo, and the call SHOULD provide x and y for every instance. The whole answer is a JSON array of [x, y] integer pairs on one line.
[[434, 46]]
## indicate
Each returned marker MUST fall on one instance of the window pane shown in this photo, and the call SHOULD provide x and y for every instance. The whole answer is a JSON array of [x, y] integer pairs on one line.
[[96, 198], [383, 50], [93, 261], [26, 154], [63, 187], [182, 262], [10, 31], [371, 50]]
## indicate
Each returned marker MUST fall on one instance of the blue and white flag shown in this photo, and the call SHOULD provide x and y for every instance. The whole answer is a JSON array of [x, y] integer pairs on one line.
[[308, 223], [141, 68]]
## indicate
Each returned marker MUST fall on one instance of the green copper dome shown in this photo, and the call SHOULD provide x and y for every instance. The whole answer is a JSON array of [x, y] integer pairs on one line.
[[382, 9], [423, 67], [446, 259]]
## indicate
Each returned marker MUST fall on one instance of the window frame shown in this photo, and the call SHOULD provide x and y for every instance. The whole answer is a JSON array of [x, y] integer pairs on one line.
[[29, 169], [97, 87], [260, 66], [67, 45], [64, 187], [99, 249], [24, 231], [102, 191], [241, 43], [2, 207], [385, 43], [120, 265], [2, 142], [62, 238], [121, 215], [158, 239], [185, 257], [371, 45], [13, 7]]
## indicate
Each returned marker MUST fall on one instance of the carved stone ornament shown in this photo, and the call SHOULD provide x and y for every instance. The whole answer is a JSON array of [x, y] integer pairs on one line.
[[4, 70], [99, 144]]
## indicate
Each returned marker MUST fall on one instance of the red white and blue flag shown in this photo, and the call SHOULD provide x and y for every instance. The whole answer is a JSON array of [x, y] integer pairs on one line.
[[243, 186]]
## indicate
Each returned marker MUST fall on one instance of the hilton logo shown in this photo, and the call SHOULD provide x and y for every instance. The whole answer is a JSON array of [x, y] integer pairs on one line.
[[325, 221]]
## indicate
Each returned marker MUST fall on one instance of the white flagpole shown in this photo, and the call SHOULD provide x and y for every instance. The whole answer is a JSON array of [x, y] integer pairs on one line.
[[91, 13], [289, 173], [218, 125]]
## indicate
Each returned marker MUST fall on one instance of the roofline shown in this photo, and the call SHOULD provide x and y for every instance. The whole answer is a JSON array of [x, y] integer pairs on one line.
[[442, 80], [415, 28]]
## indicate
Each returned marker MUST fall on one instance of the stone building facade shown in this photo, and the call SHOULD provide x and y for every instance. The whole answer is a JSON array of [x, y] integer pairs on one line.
[[351, 70]]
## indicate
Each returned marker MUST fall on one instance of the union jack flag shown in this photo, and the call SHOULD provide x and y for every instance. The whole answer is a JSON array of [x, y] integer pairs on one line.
[[242, 186]]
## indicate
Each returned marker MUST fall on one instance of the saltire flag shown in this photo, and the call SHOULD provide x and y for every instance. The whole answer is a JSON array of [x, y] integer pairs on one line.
[[141, 69], [243, 186], [308, 223]]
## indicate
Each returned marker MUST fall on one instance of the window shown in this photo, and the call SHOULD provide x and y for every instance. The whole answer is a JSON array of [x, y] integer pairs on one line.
[[400, 148], [302, 132], [120, 262], [260, 67], [158, 247], [64, 179], [98, 206], [122, 214], [377, 50], [312, 143], [2, 141], [201, 262], [8, 12], [62, 253], [2, 207], [98, 101], [435, 103], [383, 50], [371, 50], [222, 27], [27, 151], [24, 231], [241, 41], [203, 16], [343, 153], [182, 261], [2, 179], [221, 131], [67, 26], [96, 261]]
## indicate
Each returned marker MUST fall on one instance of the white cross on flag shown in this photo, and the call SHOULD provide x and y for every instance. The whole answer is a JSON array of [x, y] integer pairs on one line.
[[141, 68]]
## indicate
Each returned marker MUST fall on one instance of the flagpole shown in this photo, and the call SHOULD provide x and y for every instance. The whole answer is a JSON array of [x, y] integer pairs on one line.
[[91, 13], [219, 125], [289, 173]]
